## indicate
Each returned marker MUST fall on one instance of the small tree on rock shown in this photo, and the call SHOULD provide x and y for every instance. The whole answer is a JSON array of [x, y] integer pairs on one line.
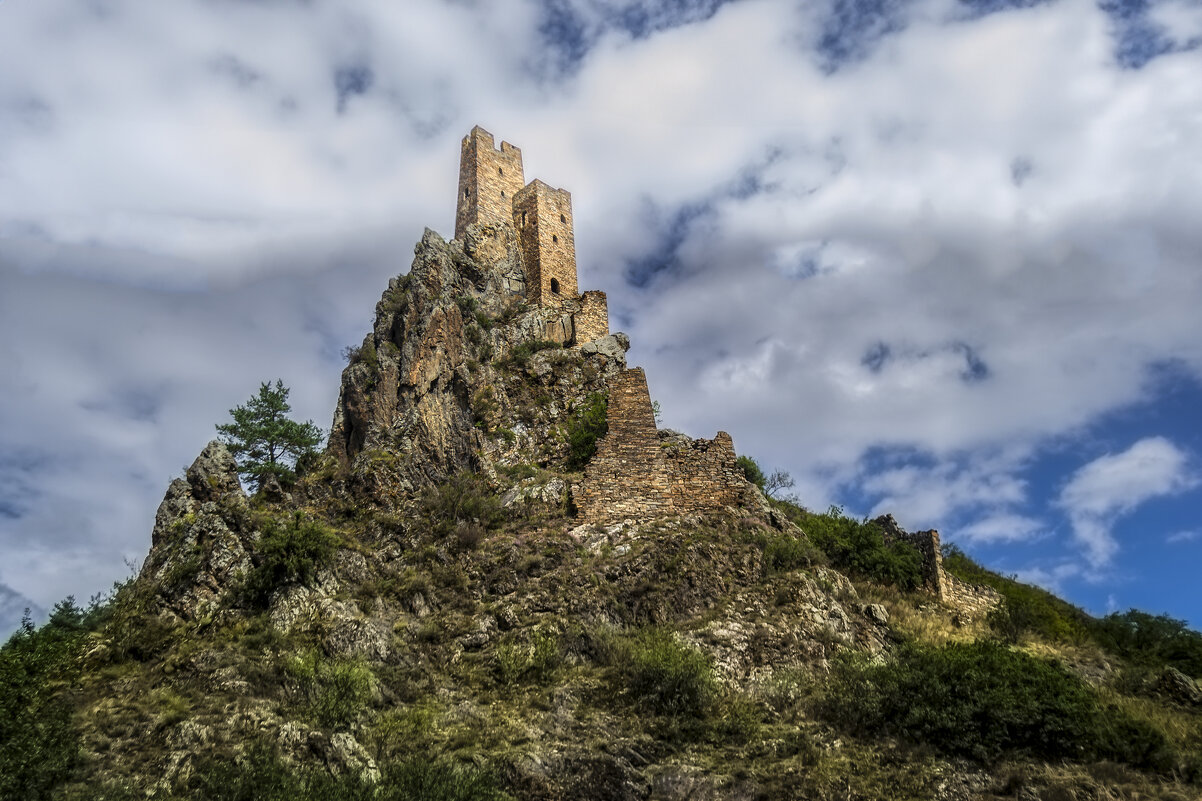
[[264, 440]]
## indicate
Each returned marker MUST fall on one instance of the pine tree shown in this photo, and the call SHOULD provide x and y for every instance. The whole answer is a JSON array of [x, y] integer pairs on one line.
[[264, 440]]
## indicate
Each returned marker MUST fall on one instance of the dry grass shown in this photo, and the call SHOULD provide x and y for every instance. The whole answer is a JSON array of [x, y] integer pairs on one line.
[[919, 616], [1100, 781]]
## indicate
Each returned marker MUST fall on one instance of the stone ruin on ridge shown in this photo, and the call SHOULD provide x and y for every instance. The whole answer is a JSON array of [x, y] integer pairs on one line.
[[637, 471]]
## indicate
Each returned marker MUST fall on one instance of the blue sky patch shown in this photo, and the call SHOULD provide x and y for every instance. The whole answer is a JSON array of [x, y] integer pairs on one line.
[[352, 80], [854, 27]]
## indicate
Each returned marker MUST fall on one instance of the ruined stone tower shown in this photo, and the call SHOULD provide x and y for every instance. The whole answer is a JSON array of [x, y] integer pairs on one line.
[[488, 181], [543, 219], [492, 190]]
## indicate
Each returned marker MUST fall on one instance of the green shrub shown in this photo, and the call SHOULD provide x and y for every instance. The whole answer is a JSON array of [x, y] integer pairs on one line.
[[986, 701], [1146, 639], [335, 691], [39, 744], [520, 355], [463, 500], [535, 661], [751, 469], [859, 547], [589, 423], [288, 553], [668, 676], [784, 552]]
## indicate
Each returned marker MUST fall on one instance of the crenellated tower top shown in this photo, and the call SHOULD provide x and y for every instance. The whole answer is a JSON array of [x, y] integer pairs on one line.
[[488, 180]]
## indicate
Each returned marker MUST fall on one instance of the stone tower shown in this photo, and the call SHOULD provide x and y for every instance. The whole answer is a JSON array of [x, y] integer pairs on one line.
[[543, 219], [488, 181], [492, 190]]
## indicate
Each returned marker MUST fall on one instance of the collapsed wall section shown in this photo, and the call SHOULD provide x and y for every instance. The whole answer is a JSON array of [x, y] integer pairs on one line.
[[592, 321], [927, 543], [636, 473]]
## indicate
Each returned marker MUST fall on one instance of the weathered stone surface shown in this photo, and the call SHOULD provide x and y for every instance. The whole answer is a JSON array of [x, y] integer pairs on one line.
[[876, 613], [214, 474], [614, 346], [434, 389], [640, 472], [202, 538], [1180, 687]]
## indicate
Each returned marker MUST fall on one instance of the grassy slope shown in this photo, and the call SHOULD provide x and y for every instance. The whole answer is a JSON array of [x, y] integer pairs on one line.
[[591, 656]]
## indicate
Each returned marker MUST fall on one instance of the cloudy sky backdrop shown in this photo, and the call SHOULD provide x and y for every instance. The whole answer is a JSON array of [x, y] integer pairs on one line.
[[938, 258]]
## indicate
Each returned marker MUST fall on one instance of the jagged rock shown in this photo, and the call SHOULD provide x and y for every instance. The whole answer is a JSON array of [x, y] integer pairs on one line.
[[613, 346], [1179, 687], [202, 538], [214, 474], [876, 613], [548, 493], [442, 383], [348, 631], [345, 755]]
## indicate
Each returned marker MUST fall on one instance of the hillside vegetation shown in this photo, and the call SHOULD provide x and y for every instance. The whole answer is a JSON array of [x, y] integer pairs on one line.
[[421, 613]]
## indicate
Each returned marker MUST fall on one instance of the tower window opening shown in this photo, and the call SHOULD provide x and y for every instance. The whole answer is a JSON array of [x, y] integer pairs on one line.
[[523, 219], [466, 193], [563, 219], [500, 171], [502, 193], [554, 287], [554, 238]]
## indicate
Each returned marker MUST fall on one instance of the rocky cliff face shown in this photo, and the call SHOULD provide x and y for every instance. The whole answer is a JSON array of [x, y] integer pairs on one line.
[[459, 373]]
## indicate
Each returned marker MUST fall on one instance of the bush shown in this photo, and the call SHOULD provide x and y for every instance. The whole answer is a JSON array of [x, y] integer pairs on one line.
[[521, 354], [1146, 639], [751, 469], [536, 661], [784, 552], [588, 424], [668, 676], [334, 690], [462, 501], [39, 744], [860, 548], [291, 553], [985, 701]]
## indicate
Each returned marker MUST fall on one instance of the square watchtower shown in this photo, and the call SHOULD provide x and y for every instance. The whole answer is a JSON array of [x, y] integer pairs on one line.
[[542, 216], [489, 179]]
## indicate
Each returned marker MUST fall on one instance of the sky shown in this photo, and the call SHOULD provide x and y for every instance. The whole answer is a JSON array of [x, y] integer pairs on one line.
[[936, 258]]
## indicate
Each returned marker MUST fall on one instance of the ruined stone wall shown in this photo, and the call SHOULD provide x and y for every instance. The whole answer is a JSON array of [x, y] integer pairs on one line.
[[592, 321], [927, 542], [489, 179], [636, 473], [974, 600], [542, 216], [703, 474]]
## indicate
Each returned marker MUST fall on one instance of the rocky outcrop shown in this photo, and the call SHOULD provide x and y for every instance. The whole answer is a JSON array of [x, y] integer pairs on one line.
[[202, 536], [1179, 687], [459, 372]]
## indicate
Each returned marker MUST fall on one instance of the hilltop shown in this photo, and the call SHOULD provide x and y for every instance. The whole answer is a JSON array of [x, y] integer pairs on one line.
[[500, 579]]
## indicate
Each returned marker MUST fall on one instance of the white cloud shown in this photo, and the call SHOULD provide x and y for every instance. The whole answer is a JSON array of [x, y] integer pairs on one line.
[[1178, 537], [1053, 578], [1115, 484], [1002, 528]]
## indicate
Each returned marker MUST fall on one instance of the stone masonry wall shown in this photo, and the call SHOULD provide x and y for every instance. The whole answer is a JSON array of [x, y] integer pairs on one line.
[[592, 321], [636, 473], [927, 542], [489, 179], [974, 600], [542, 216]]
